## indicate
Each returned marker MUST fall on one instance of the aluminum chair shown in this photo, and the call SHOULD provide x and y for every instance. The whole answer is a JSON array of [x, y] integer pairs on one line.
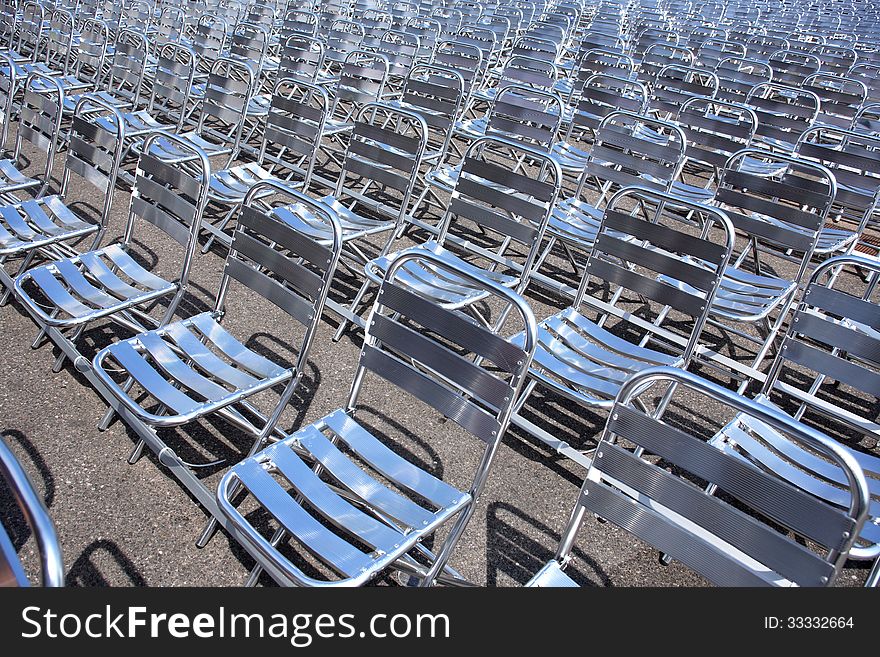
[[854, 160], [208, 42], [343, 38], [764, 532], [65, 296], [302, 57], [792, 67], [299, 22], [288, 148], [622, 319], [39, 124], [47, 226], [503, 203], [825, 375], [189, 369], [37, 517], [840, 99], [659, 56], [373, 192], [779, 219], [783, 115], [618, 157], [382, 505]]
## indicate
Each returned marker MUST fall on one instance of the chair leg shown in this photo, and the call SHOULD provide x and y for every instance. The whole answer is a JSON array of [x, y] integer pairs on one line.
[[343, 324], [873, 580], [59, 362]]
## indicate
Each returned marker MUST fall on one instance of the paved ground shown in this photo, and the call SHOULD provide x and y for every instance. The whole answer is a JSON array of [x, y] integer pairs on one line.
[[126, 525]]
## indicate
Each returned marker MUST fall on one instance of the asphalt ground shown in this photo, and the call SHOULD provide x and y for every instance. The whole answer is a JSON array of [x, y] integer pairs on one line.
[[135, 525]]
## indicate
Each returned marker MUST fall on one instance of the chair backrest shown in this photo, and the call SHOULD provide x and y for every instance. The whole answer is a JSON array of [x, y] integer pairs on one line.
[[526, 114], [783, 112], [826, 373], [528, 71], [230, 86], [494, 196], [293, 129], [869, 75], [362, 80], [840, 98], [250, 43], [300, 22], [37, 517], [170, 195], [605, 61], [209, 41], [782, 212], [302, 57], [128, 66], [428, 31], [281, 264], [8, 89], [382, 159], [603, 94], [40, 115], [344, 37], [738, 75], [29, 37], [712, 51], [834, 59], [792, 67], [171, 84], [749, 537], [715, 130], [95, 147], [437, 94], [621, 157], [854, 159], [464, 58], [661, 55], [669, 252], [58, 49], [675, 84], [400, 49]]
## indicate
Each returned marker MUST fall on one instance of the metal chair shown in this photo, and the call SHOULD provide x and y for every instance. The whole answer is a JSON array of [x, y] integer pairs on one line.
[[382, 505], [37, 516], [373, 192], [288, 149], [737, 76], [764, 532], [108, 283], [46, 226], [39, 124], [623, 319], [186, 370], [618, 157], [825, 375], [505, 206], [302, 57]]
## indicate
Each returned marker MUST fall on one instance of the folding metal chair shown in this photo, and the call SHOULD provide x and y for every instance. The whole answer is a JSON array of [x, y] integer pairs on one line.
[[495, 197], [373, 191], [764, 532], [37, 517], [623, 319], [186, 370], [108, 283], [288, 149], [618, 157], [824, 375], [855, 162], [779, 219], [39, 124], [299, 22], [382, 505]]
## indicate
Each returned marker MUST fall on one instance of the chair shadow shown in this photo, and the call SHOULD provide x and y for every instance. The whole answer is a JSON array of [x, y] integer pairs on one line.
[[514, 553], [85, 571]]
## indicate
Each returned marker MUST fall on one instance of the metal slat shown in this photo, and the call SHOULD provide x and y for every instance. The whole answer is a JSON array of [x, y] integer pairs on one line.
[[291, 303], [836, 302], [524, 233], [149, 379], [651, 288], [162, 220], [306, 282], [665, 237], [284, 235], [835, 334], [453, 327], [451, 404], [652, 258]]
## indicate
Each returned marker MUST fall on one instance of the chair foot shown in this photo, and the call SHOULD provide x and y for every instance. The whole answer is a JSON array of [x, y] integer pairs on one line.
[[207, 533], [136, 452], [59, 363], [106, 420]]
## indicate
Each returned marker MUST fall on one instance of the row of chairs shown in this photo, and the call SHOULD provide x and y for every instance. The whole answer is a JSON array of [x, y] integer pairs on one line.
[[491, 190]]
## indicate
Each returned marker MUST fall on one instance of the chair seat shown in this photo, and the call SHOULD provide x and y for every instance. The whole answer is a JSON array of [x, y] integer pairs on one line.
[[755, 441], [13, 180], [193, 367], [389, 504], [744, 296], [763, 168], [692, 192], [90, 286], [33, 224], [445, 177], [569, 157], [471, 128], [259, 105], [115, 101], [551, 575], [137, 123], [335, 126], [70, 83], [587, 363], [232, 185], [171, 152], [575, 220], [354, 226], [447, 288]]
